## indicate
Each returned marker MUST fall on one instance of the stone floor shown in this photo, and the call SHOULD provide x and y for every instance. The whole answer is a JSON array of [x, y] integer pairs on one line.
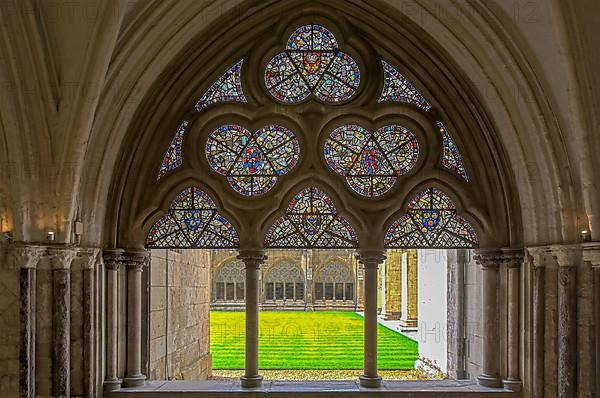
[[328, 389]]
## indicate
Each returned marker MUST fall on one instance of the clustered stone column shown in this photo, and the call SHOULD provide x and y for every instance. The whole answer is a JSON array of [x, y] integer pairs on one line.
[[513, 260], [490, 264], [26, 258], [253, 259], [371, 261], [568, 258], [61, 259], [135, 262], [113, 258], [89, 258], [591, 255]]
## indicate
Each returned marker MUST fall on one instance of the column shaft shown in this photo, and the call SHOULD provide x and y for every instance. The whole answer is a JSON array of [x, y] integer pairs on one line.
[[371, 262], [61, 320], [89, 331], [597, 325], [567, 332], [489, 261], [513, 382], [27, 348], [135, 262], [113, 261], [538, 332], [253, 261]]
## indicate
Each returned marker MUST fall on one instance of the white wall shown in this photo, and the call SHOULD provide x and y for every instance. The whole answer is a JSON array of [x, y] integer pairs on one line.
[[433, 307]]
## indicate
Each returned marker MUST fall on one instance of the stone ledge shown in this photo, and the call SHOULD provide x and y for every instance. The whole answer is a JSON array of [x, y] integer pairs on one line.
[[325, 389]]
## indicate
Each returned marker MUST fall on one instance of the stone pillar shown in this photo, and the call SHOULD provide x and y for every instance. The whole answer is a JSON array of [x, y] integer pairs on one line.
[[393, 285], [513, 259], [538, 258], [568, 259], [61, 259], [135, 261], [371, 261], [253, 259], [409, 321], [26, 258], [308, 280], [89, 258], [360, 286], [490, 263], [591, 255], [113, 258]]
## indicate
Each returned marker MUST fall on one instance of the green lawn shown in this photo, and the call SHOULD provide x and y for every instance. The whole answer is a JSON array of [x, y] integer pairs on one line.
[[306, 340]]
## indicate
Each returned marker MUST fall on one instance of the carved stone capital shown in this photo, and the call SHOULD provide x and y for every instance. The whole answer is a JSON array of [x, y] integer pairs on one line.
[[88, 257], [567, 255], [513, 258], [252, 258], [371, 258], [113, 258], [489, 258], [591, 253], [136, 260], [540, 256], [61, 257], [26, 256]]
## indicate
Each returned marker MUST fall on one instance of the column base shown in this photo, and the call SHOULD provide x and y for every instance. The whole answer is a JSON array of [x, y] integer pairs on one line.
[[112, 385], [251, 382], [489, 381], [370, 382], [512, 385], [134, 381]]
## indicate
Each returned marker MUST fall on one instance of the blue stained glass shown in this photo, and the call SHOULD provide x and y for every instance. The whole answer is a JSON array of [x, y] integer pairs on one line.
[[312, 64], [228, 88], [173, 158], [431, 222], [371, 163], [397, 88], [311, 221], [193, 222], [252, 163], [451, 158]]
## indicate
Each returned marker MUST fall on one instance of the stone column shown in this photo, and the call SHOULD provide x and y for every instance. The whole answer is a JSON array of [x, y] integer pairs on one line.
[[61, 259], [568, 259], [393, 285], [89, 258], [135, 261], [490, 261], [513, 259], [371, 261], [26, 258], [538, 259], [409, 321], [253, 259], [591, 255], [113, 258]]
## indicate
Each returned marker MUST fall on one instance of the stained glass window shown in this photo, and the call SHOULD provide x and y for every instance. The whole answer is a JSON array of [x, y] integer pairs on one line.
[[371, 162], [451, 158], [312, 64], [193, 222], [173, 158], [431, 221], [311, 221], [252, 163], [397, 88], [228, 88]]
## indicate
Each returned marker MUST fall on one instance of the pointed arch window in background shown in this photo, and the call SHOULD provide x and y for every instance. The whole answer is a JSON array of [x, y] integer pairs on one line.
[[431, 222], [451, 157], [371, 162], [312, 64], [193, 222], [252, 163], [311, 221], [397, 88]]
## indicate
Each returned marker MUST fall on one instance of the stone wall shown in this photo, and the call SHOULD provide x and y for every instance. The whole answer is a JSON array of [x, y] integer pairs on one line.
[[180, 315]]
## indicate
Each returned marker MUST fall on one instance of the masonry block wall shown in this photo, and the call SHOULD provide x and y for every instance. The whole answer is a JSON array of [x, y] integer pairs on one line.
[[180, 315]]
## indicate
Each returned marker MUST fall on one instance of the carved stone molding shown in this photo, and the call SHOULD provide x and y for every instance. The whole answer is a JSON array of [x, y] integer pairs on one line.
[[113, 258], [540, 256], [61, 257], [252, 258], [591, 253], [88, 257], [489, 258], [26, 256], [371, 258], [136, 260], [567, 255]]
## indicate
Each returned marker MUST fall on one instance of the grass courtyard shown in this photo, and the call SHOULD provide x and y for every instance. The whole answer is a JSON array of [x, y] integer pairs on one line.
[[306, 341]]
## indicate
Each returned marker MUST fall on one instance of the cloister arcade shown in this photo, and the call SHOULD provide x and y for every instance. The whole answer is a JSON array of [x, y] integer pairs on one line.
[[342, 125]]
